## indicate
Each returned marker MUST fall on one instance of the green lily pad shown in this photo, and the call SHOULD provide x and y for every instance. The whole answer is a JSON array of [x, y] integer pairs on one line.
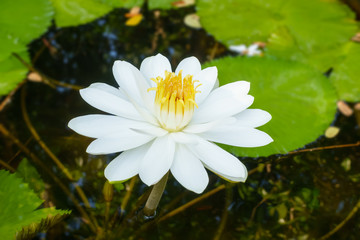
[[124, 3], [9, 44], [18, 204], [12, 72], [283, 45], [77, 12], [314, 24], [300, 99], [160, 4], [346, 75], [25, 19]]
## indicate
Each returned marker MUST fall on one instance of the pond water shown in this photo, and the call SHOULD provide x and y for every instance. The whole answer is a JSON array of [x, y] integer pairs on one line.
[[303, 195]]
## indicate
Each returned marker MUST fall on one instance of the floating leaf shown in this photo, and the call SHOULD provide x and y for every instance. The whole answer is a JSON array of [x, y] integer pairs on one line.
[[12, 72], [346, 75], [9, 44], [18, 204], [283, 45], [123, 3], [25, 19], [299, 98], [76, 12], [291, 26], [160, 4], [244, 21]]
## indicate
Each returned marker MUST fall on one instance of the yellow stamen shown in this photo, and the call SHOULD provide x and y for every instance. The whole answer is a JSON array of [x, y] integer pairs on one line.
[[174, 100]]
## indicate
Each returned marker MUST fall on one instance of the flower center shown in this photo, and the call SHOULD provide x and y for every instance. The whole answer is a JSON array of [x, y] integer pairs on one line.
[[174, 100]]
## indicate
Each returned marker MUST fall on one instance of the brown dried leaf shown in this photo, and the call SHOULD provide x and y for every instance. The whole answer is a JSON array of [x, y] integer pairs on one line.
[[34, 77], [344, 108], [332, 132], [133, 12], [192, 20]]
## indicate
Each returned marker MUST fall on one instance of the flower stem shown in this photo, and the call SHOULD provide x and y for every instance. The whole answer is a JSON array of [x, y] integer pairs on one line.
[[155, 196]]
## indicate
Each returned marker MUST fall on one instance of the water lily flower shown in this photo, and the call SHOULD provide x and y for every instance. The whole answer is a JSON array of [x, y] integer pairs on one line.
[[163, 120], [252, 50]]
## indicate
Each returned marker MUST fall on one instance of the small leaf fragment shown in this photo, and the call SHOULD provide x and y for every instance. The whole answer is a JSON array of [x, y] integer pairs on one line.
[[34, 77], [192, 20], [344, 108], [332, 132], [134, 20]]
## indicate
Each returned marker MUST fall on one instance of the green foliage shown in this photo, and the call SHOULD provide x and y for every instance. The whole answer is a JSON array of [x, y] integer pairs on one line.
[[9, 44], [30, 175], [283, 45], [20, 22], [346, 75], [160, 4], [123, 3], [299, 98], [18, 204], [311, 31], [77, 12], [25, 20], [12, 71], [244, 21]]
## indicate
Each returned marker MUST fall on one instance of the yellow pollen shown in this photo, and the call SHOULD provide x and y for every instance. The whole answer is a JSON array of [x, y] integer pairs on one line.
[[174, 100]]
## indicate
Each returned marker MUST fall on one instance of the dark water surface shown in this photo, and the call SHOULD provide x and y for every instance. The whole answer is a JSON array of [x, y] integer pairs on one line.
[[297, 196]]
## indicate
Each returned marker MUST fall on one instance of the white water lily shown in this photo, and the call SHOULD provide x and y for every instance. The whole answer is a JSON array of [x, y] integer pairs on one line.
[[163, 120]]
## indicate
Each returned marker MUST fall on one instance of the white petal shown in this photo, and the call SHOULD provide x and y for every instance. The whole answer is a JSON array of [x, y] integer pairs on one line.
[[216, 85], [188, 170], [223, 102], [190, 65], [237, 136], [154, 130], [207, 78], [219, 161], [132, 82], [99, 125], [118, 141], [184, 138], [238, 48], [126, 165], [108, 102], [110, 89], [252, 118], [238, 88], [155, 66], [203, 127], [157, 160], [253, 50]]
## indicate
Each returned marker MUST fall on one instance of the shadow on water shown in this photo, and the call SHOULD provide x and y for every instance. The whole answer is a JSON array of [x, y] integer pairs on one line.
[[297, 196]]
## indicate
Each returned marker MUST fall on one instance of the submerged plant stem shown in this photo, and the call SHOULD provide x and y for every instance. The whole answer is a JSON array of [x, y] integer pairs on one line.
[[340, 225], [192, 202], [225, 214], [51, 154], [155, 196], [7, 166], [38, 162]]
